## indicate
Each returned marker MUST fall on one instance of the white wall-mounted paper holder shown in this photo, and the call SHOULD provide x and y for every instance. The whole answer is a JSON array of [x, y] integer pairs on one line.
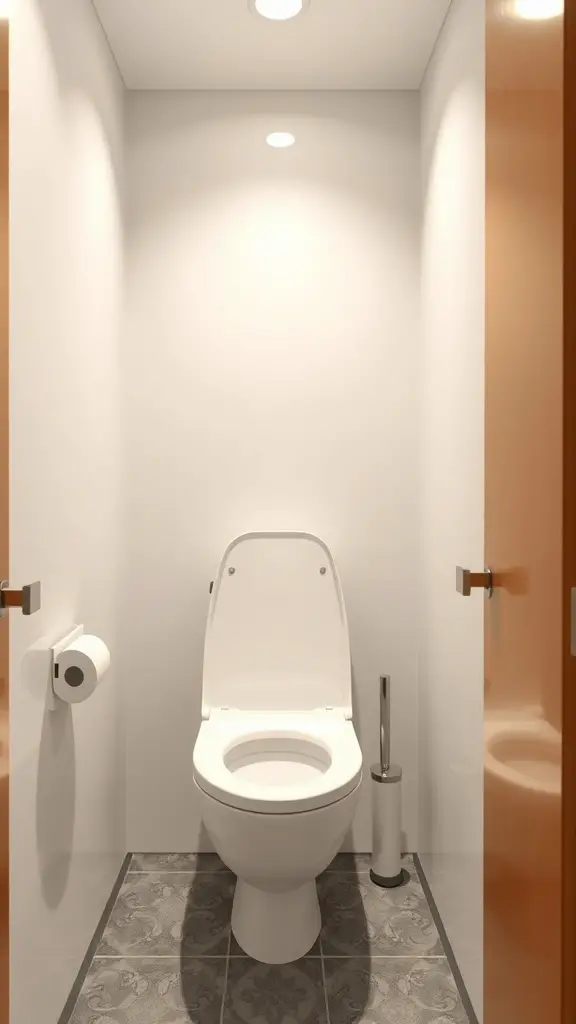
[[55, 651]]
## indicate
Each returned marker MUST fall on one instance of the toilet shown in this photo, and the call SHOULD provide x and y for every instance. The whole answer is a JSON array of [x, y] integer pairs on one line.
[[277, 762]]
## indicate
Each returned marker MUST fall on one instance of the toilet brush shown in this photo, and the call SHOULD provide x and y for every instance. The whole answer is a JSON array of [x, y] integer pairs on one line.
[[386, 806]]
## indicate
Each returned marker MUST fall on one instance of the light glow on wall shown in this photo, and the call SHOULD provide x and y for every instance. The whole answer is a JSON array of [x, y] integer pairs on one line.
[[535, 10], [278, 10], [280, 140]]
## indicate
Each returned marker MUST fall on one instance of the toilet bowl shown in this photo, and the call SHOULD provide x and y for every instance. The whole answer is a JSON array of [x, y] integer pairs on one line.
[[277, 762]]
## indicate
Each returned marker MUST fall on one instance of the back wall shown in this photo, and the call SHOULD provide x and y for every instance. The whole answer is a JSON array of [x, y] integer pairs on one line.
[[271, 381]]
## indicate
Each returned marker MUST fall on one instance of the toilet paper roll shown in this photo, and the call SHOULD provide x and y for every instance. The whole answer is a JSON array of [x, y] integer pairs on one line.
[[79, 668]]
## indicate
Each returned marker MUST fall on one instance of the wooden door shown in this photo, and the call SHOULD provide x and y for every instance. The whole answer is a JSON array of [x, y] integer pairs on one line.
[[4, 624], [530, 474]]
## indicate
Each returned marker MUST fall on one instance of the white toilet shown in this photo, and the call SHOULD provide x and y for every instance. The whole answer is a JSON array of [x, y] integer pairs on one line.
[[277, 761]]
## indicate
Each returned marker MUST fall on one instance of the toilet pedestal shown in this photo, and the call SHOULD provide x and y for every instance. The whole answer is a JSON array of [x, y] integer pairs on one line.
[[276, 927]]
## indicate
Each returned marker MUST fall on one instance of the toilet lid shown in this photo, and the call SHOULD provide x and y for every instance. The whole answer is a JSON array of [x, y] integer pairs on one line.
[[277, 636]]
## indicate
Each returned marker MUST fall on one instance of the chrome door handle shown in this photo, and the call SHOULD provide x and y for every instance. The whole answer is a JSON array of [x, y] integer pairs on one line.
[[28, 599], [466, 581]]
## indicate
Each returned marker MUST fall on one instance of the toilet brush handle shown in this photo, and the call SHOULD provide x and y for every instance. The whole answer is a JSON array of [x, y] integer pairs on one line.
[[384, 723]]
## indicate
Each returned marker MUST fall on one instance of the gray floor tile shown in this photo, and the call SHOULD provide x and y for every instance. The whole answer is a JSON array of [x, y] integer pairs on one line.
[[358, 863], [170, 914], [152, 992], [199, 862], [236, 949], [169, 935], [274, 994], [392, 991], [360, 919], [350, 862]]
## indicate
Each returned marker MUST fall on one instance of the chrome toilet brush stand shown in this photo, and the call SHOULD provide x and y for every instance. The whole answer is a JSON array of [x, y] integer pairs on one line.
[[386, 868]]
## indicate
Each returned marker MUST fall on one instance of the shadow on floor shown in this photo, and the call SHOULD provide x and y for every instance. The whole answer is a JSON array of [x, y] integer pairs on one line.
[[213, 965]]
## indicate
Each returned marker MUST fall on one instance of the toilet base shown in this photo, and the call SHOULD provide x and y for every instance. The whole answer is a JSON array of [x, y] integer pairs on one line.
[[276, 927]]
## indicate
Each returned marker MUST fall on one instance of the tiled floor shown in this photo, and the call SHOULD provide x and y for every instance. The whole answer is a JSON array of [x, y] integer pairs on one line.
[[167, 955]]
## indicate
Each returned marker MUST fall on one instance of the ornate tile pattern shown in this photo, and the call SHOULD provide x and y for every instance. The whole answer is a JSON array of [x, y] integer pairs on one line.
[[165, 914], [275, 994], [168, 956], [392, 991], [152, 991], [360, 919]]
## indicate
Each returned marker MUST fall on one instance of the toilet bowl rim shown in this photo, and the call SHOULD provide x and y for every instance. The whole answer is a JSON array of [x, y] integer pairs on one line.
[[296, 812], [335, 736]]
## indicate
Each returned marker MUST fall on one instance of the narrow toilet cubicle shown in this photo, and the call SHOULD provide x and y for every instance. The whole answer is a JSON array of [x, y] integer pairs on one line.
[[237, 399]]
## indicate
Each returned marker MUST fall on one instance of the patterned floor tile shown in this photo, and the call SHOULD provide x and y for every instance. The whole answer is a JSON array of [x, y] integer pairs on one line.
[[361, 919], [152, 992], [392, 991], [170, 914], [274, 994], [199, 862]]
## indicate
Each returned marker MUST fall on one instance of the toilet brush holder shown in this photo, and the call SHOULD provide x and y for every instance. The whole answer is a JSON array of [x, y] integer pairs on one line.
[[386, 779]]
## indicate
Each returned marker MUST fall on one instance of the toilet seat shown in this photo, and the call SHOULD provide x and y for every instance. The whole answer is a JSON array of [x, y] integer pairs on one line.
[[277, 763]]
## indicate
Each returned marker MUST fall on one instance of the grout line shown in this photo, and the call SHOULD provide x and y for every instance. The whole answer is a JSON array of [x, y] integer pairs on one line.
[[76, 989], [226, 969], [453, 963], [192, 871], [386, 956], [323, 971], [244, 956], [161, 956]]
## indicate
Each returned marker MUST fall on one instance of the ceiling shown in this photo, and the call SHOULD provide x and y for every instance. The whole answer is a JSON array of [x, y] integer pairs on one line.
[[221, 44]]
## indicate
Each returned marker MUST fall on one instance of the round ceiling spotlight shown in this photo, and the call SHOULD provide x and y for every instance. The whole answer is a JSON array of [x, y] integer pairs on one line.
[[278, 10], [280, 140], [534, 10]]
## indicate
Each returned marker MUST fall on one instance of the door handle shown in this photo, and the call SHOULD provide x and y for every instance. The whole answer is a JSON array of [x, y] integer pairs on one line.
[[28, 599], [466, 581]]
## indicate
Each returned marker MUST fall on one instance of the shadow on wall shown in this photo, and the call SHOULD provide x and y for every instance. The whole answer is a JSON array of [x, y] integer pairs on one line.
[[279, 991], [56, 802], [56, 778]]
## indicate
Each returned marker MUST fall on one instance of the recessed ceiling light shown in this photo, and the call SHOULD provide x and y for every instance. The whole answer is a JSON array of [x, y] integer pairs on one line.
[[534, 10], [280, 140], [278, 10]]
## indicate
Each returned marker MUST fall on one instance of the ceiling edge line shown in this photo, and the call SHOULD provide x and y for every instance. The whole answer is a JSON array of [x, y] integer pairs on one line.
[[108, 43], [436, 41]]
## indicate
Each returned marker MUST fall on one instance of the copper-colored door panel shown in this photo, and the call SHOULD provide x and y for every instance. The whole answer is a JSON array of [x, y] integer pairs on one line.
[[4, 625], [525, 356], [569, 533]]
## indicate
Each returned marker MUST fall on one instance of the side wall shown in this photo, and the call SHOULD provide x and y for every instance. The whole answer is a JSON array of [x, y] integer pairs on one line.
[[271, 382], [451, 696], [67, 783]]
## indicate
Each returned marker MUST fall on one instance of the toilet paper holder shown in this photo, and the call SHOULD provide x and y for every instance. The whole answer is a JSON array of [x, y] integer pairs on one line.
[[55, 651]]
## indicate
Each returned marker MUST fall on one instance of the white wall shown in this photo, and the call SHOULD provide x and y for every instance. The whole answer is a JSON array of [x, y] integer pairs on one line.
[[67, 784], [451, 698], [271, 382]]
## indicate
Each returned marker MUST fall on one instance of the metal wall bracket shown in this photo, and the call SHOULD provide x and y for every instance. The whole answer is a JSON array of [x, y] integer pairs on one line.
[[466, 581], [29, 599]]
